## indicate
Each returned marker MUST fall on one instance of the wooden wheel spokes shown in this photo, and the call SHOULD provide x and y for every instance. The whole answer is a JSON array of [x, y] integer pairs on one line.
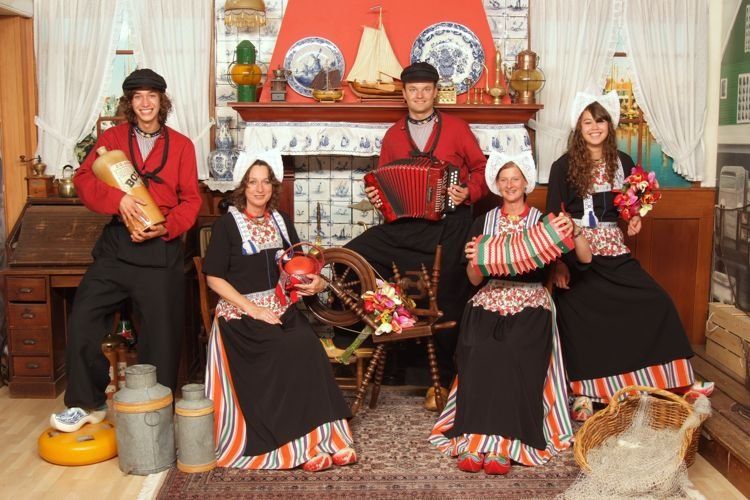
[[350, 275]]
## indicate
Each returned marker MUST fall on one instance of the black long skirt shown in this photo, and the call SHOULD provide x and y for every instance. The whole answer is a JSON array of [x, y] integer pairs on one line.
[[282, 379], [502, 365], [615, 319]]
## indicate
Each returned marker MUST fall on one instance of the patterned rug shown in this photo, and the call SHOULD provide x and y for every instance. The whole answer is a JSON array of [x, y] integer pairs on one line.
[[395, 461]]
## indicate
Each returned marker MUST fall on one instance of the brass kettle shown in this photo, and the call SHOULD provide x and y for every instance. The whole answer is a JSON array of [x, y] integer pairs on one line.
[[65, 187]]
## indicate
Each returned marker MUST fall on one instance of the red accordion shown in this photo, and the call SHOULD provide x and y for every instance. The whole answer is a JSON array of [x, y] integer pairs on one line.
[[517, 253], [414, 187]]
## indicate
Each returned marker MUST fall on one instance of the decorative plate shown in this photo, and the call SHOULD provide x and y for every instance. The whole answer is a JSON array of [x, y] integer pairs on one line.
[[454, 50], [307, 57]]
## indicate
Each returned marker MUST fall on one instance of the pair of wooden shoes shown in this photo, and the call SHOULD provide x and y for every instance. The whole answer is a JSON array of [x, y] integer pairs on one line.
[[323, 461], [492, 463]]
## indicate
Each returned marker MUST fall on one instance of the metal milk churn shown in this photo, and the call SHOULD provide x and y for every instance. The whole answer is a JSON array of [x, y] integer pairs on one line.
[[194, 423], [143, 423]]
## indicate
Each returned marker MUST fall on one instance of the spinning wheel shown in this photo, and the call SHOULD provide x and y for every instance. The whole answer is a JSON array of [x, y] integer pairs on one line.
[[349, 275]]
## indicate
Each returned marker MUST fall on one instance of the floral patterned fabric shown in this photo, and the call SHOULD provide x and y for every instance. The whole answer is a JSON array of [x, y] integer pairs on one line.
[[507, 298], [266, 298], [600, 183], [606, 241]]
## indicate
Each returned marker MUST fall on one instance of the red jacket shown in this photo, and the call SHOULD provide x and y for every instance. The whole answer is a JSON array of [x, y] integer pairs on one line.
[[457, 145], [178, 197]]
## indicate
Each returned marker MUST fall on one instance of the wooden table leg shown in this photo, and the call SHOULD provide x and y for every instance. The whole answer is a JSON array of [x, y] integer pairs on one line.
[[432, 357], [362, 389], [378, 380]]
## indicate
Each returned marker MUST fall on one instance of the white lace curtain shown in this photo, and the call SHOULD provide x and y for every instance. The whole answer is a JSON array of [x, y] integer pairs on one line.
[[575, 41], [667, 45], [173, 37], [74, 45], [667, 42]]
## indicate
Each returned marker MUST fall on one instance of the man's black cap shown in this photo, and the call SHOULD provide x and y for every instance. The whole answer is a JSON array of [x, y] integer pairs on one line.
[[420, 72], [144, 79]]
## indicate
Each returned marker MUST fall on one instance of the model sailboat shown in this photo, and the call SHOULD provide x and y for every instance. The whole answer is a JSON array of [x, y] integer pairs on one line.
[[375, 72]]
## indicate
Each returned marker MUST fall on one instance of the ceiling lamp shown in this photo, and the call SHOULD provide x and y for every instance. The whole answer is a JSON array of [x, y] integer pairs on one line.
[[244, 14]]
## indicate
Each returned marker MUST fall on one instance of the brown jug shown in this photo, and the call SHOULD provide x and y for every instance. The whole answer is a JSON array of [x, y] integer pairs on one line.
[[114, 168]]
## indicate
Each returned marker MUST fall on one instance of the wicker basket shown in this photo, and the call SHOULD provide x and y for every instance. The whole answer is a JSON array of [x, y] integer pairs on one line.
[[667, 410]]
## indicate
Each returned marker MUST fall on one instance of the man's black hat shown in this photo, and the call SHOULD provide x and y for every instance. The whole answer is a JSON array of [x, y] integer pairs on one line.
[[144, 79], [420, 72]]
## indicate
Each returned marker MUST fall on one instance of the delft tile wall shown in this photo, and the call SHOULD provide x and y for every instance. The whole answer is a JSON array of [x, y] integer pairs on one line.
[[332, 183]]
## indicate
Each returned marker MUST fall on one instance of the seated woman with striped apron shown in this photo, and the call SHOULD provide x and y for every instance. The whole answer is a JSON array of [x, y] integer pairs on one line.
[[276, 400], [509, 399]]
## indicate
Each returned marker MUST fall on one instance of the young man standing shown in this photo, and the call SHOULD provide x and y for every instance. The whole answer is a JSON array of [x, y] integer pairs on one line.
[[145, 266], [428, 132]]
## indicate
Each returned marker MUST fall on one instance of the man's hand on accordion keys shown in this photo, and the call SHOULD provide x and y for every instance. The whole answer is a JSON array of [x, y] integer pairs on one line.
[[459, 193], [372, 195]]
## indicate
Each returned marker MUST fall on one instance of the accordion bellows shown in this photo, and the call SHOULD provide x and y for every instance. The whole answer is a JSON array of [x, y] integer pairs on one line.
[[414, 187], [520, 252]]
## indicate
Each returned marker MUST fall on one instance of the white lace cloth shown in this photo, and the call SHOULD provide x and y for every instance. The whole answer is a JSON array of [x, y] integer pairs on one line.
[[355, 139], [361, 139]]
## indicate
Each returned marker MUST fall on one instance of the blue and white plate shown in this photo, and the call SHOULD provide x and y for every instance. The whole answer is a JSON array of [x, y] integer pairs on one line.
[[307, 57], [454, 50]]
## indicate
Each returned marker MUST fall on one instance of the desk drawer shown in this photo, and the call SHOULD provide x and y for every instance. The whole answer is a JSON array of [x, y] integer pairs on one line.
[[26, 289], [28, 315], [29, 342], [32, 366]]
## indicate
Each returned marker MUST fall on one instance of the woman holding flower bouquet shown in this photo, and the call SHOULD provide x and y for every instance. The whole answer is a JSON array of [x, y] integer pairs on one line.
[[276, 400], [618, 326], [509, 400]]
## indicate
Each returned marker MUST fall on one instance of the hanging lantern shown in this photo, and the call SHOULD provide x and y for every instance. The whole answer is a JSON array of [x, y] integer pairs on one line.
[[244, 14], [244, 73]]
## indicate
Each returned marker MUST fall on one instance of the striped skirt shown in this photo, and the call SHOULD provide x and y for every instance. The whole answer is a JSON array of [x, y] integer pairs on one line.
[[286, 388], [510, 394], [675, 374]]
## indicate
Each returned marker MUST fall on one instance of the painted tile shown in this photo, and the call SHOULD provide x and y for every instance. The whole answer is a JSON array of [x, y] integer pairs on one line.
[[301, 190], [340, 234], [341, 213], [320, 189], [341, 190], [358, 191], [319, 167], [341, 167], [301, 210]]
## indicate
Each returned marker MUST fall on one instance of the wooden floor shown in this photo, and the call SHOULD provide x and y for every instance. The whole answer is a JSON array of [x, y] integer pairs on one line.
[[25, 475]]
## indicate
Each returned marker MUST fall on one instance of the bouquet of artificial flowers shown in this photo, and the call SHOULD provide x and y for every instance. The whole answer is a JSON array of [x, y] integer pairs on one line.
[[389, 310], [639, 193]]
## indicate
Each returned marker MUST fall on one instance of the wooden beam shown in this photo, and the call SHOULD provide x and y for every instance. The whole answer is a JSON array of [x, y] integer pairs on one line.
[[18, 105]]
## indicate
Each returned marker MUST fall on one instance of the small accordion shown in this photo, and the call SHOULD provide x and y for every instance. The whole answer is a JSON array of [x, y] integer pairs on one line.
[[510, 254], [414, 187]]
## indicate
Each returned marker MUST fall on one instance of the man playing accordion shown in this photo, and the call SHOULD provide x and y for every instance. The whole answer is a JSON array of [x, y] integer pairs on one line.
[[410, 242]]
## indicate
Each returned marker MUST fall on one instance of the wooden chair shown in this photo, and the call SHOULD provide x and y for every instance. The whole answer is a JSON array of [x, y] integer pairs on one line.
[[208, 300], [424, 329]]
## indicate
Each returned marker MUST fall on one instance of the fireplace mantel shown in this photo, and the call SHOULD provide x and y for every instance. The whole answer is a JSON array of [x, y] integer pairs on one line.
[[377, 112]]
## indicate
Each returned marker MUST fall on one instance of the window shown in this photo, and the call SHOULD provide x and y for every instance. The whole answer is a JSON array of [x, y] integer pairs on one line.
[[122, 66], [633, 134]]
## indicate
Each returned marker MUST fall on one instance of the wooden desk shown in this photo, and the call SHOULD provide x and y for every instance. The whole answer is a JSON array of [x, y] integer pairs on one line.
[[36, 301]]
